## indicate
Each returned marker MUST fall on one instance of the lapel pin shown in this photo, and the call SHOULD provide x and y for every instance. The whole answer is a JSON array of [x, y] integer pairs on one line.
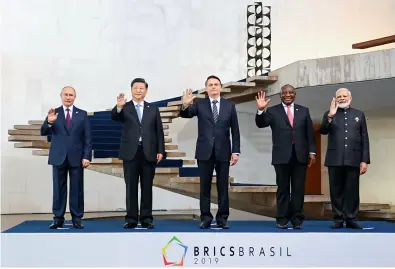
[[76, 112], [296, 109], [356, 119]]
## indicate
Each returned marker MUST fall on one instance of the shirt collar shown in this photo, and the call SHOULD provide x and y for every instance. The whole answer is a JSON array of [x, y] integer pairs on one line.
[[212, 99], [141, 103], [291, 105], [71, 108]]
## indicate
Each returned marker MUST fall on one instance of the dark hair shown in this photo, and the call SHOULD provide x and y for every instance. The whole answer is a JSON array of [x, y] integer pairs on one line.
[[136, 80], [287, 86], [215, 77]]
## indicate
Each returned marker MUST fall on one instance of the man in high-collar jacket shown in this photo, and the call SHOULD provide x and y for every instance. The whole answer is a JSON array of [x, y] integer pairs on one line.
[[347, 157]]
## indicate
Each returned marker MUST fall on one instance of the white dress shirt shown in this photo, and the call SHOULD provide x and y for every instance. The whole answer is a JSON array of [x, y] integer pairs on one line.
[[71, 111], [217, 104]]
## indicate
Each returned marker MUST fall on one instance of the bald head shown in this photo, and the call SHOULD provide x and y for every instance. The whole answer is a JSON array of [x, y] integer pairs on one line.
[[343, 97], [68, 95]]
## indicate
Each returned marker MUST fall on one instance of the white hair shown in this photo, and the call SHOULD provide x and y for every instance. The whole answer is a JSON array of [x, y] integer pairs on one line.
[[343, 89]]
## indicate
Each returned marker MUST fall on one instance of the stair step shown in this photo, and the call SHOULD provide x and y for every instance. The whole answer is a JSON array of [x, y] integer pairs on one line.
[[24, 132], [40, 152], [175, 154], [170, 108], [262, 79], [159, 170], [118, 161], [35, 122], [166, 120], [365, 206], [114, 154], [32, 144], [252, 188], [318, 198], [27, 138], [171, 114], [27, 127], [194, 180], [223, 90], [238, 85]]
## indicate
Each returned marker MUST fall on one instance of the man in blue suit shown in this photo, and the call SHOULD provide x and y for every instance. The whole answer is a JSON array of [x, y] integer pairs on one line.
[[70, 152], [217, 118]]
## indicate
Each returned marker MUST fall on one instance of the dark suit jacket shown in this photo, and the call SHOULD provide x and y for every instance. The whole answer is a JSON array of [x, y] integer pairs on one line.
[[283, 133], [348, 139], [150, 129], [74, 142], [212, 134]]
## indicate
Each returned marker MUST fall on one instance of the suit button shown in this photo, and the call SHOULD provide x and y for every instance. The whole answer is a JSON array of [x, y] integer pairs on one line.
[[213, 138], [346, 137], [346, 145], [345, 118]]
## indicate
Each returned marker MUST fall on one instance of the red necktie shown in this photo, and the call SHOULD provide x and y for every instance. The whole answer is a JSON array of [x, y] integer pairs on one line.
[[291, 118], [68, 118]]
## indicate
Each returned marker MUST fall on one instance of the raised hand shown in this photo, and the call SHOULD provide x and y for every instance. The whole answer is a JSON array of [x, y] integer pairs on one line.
[[121, 100], [261, 101], [333, 108], [187, 98], [52, 116]]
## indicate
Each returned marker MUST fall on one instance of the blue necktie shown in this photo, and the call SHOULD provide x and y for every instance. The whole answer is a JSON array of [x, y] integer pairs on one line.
[[138, 111], [215, 111]]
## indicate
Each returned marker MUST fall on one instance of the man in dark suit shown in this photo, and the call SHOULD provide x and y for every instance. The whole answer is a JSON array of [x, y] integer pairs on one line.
[[216, 116], [294, 148], [347, 157], [70, 152], [142, 147]]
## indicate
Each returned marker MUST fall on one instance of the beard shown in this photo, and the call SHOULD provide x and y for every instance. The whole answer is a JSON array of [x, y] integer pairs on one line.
[[344, 105]]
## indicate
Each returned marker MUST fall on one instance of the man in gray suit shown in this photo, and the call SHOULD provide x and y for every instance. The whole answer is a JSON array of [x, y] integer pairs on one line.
[[347, 157]]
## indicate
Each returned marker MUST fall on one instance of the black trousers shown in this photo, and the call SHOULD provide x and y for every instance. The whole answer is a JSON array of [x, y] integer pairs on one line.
[[344, 192], [76, 199], [135, 170], [290, 205], [206, 169]]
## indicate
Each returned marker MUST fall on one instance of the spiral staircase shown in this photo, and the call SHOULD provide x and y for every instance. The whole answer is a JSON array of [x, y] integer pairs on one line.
[[177, 173]]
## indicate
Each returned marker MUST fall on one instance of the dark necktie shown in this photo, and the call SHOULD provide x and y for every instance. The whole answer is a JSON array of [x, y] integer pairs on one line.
[[68, 118], [215, 110]]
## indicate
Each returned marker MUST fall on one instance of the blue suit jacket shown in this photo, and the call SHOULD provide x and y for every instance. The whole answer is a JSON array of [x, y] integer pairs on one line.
[[212, 134], [75, 142]]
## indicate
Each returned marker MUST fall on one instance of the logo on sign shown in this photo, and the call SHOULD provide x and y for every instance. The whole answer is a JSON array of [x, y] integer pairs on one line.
[[174, 252]]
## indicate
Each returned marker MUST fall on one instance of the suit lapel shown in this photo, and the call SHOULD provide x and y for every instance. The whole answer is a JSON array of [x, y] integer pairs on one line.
[[222, 107], [284, 114], [296, 114], [210, 110], [74, 118], [62, 117], [146, 110], [134, 112]]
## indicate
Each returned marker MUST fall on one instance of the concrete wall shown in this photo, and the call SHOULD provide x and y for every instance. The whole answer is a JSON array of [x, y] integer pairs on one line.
[[100, 46]]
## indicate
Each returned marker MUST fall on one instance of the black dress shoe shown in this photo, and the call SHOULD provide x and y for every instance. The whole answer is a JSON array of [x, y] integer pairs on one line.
[[148, 225], [56, 225], [223, 225], [78, 225], [282, 226], [353, 225], [205, 225], [297, 227], [130, 225], [337, 225]]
